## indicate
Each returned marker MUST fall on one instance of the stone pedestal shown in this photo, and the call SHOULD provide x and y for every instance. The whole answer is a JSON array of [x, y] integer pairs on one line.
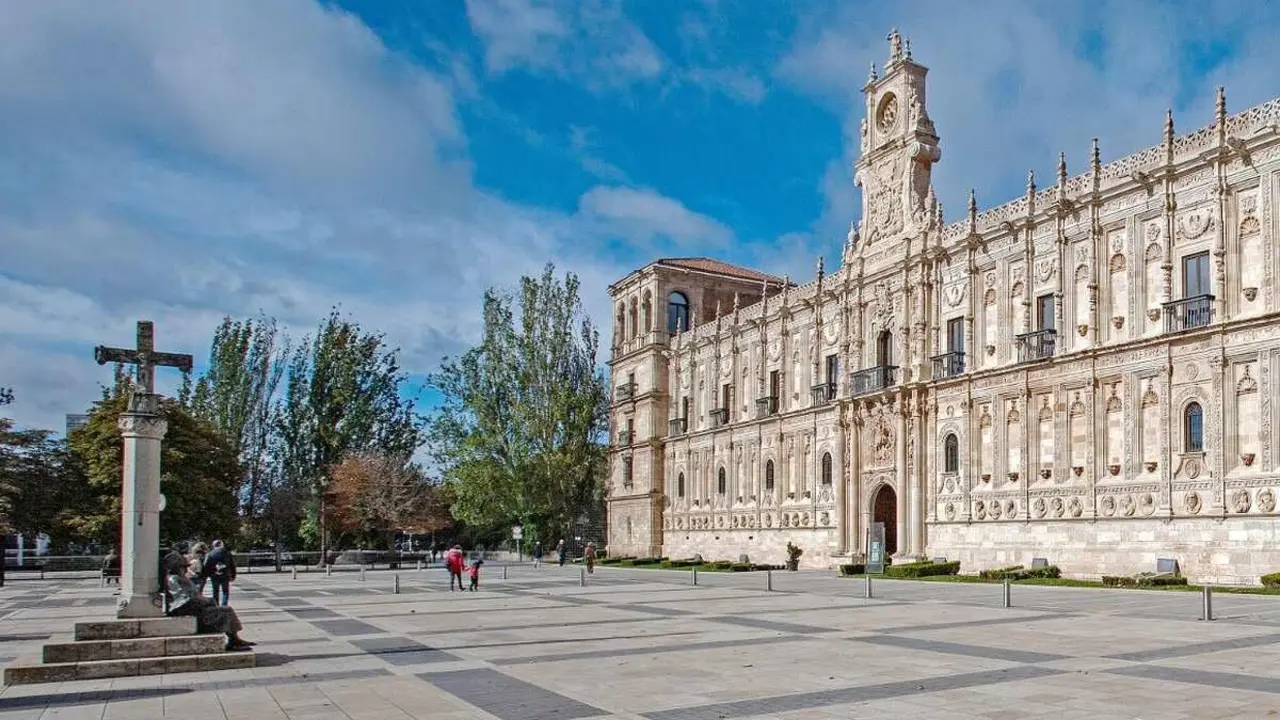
[[142, 429]]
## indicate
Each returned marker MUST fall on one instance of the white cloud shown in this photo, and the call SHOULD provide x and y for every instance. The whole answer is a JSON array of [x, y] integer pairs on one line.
[[645, 215], [199, 160], [591, 41]]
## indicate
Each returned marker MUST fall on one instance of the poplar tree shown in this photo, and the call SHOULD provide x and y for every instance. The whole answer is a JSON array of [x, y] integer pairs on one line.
[[519, 433]]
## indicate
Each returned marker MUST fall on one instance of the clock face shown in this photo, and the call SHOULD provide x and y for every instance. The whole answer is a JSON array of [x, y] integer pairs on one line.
[[887, 114]]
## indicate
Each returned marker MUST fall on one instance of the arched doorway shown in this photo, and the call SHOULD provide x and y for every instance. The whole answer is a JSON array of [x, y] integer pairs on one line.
[[885, 510]]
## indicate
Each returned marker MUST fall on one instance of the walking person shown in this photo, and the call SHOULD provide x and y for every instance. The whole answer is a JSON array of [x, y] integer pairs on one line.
[[589, 554], [474, 572], [220, 569], [454, 562], [560, 552], [537, 555]]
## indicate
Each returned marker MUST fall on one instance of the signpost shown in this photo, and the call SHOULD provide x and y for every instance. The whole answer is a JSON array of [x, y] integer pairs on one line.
[[517, 534], [875, 548]]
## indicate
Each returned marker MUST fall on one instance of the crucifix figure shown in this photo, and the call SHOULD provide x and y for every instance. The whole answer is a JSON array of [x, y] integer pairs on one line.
[[144, 356], [142, 428]]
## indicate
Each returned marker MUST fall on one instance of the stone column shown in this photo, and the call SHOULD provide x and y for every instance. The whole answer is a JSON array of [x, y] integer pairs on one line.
[[142, 429]]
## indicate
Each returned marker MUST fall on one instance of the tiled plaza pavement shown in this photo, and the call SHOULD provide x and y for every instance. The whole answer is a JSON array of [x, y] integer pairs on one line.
[[648, 644]]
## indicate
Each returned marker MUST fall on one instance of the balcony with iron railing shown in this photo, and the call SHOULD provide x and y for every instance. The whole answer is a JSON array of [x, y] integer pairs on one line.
[[947, 365], [874, 379], [624, 437], [625, 391], [1036, 345], [1188, 313], [766, 406], [719, 417], [822, 394], [678, 426]]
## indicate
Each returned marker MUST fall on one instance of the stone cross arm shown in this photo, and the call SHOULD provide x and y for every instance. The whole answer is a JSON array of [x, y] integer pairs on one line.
[[144, 356]]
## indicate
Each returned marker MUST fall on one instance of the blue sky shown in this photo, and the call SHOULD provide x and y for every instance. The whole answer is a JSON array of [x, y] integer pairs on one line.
[[185, 160]]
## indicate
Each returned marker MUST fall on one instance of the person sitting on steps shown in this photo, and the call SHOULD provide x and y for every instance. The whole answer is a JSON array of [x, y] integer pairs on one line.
[[183, 599]]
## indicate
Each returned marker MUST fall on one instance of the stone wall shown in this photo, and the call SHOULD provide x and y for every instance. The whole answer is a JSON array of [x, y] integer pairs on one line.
[[1233, 551], [768, 547]]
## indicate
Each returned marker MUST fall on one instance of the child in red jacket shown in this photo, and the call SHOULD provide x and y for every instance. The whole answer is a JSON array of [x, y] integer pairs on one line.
[[474, 571]]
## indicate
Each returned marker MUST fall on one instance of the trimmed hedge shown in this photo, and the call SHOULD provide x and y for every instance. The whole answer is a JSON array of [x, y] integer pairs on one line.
[[686, 562], [922, 569], [1271, 580], [1018, 572], [638, 562], [611, 560], [1144, 580], [852, 569]]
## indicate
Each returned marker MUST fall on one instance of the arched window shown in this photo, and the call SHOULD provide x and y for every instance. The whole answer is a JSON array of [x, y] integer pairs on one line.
[[635, 319], [646, 308], [768, 475], [884, 348], [721, 483], [1193, 428], [951, 454], [826, 468], [677, 313], [680, 485], [620, 324]]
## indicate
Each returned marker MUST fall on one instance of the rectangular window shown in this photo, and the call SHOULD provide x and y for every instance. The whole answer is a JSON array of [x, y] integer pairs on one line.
[[631, 380], [775, 384], [684, 407], [631, 431], [1044, 312], [955, 335], [727, 399], [1195, 275], [833, 369]]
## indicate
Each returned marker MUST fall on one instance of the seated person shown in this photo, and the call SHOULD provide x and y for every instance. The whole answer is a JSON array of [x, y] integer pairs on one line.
[[185, 601]]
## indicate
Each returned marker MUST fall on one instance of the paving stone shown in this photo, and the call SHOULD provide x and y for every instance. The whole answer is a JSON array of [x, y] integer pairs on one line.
[[509, 698]]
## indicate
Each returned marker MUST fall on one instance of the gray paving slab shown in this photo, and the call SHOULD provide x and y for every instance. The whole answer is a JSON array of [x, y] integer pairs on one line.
[[822, 698], [1230, 681], [347, 627], [1176, 651], [509, 698], [403, 651], [761, 624], [651, 650], [953, 648]]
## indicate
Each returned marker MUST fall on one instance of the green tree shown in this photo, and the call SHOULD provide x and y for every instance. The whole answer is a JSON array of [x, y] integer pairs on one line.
[[519, 432], [341, 396], [236, 394], [41, 484], [201, 474]]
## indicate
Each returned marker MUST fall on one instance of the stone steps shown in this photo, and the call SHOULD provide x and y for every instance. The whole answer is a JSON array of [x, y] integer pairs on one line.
[[92, 650], [125, 667], [130, 629], [125, 648]]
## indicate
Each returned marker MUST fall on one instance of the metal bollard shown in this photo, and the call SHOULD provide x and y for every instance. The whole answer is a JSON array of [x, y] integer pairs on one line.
[[504, 572], [395, 585], [328, 570], [584, 577], [867, 588], [1206, 595], [361, 573], [695, 574], [295, 572], [1008, 593], [768, 580], [419, 566]]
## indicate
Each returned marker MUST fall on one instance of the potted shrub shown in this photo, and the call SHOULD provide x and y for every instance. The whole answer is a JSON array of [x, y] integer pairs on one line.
[[793, 556]]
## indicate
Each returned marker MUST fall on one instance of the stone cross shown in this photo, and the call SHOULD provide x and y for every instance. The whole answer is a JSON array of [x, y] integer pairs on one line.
[[144, 356], [142, 429]]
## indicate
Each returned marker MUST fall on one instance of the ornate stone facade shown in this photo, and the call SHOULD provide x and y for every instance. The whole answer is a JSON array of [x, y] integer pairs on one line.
[[1085, 373]]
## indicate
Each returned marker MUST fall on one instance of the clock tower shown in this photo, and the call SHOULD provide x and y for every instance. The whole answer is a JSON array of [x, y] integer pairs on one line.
[[898, 149]]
